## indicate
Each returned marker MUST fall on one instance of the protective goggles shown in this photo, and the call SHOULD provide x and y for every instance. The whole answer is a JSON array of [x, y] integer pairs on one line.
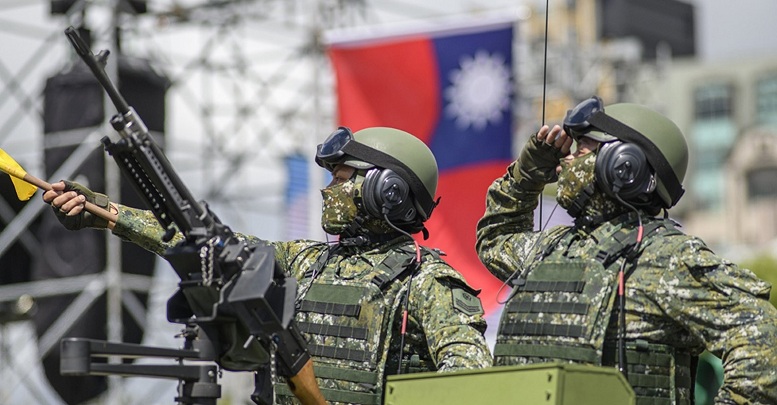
[[576, 120], [589, 116], [332, 148]]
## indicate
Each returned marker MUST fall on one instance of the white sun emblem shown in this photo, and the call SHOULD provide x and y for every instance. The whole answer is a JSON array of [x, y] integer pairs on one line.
[[480, 91]]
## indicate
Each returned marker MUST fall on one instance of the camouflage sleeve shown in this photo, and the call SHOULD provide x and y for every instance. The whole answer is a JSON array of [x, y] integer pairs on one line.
[[505, 234], [451, 317], [142, 228], [726, 307], [297, 256]]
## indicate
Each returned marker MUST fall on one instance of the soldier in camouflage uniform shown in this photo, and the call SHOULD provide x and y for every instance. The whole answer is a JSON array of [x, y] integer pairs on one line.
[[372, 304], [623, 287]]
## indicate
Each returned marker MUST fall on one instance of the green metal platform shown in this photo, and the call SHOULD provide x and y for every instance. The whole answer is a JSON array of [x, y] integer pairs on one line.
[[536, 384]]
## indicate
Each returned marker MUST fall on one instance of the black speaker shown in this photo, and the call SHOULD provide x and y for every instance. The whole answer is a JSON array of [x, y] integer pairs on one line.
[[15, 262], [73, 108], [385, 192], [127, 6], [622, 170]]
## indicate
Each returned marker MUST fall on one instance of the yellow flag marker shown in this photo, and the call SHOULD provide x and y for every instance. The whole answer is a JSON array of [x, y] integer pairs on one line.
[[24, 190], [26, 185]]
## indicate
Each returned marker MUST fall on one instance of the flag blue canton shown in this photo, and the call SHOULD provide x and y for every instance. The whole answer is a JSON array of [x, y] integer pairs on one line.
[[297, 197], [475, 73]]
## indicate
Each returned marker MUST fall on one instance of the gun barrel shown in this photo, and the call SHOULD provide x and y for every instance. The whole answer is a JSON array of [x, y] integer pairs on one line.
[[83, 50], [78, 43]]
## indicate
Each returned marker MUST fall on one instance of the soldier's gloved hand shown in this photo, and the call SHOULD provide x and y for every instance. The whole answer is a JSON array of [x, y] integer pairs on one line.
[[536, 166], [82, 219]]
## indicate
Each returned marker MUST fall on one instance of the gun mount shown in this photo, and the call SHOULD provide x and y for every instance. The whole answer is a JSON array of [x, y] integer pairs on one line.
[[233, 293], [197, 382]]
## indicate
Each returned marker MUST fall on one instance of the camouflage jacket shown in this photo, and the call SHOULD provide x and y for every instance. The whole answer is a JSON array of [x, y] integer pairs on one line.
[[447, 335], [679, 292]]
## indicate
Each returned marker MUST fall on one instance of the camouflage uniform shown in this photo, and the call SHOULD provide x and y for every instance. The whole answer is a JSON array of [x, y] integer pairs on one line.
[[680, 296], [445, 324]]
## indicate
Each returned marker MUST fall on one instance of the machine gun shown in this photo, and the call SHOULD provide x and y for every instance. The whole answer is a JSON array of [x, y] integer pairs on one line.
[[237, 305]]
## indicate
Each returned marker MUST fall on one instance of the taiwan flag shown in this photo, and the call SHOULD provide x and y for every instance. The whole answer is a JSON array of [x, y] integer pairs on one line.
[[453, 89]]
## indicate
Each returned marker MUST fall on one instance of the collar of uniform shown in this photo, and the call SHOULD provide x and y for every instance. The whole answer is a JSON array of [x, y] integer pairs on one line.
[[604, 229], [364, 243]]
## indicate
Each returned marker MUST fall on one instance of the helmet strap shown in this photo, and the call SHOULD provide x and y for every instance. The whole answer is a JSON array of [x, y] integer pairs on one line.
[[579, 203], [367, 239], [353, 228]]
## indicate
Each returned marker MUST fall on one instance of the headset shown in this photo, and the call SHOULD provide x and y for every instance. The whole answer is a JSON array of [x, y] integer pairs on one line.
[[385, 192], [622, 171]]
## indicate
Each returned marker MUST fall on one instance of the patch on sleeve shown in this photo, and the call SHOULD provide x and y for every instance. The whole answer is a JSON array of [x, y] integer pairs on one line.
[[466, 302]]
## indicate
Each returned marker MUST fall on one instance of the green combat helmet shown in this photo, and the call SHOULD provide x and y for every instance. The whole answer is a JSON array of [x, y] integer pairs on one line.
[[405, 180], [655, 135], [663, 133]]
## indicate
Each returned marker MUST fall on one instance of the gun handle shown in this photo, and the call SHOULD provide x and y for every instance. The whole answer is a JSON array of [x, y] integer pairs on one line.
[[305, 387]]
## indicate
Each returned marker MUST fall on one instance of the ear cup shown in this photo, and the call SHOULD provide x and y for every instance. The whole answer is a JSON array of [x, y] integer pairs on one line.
[[622, 169], [383, 189]]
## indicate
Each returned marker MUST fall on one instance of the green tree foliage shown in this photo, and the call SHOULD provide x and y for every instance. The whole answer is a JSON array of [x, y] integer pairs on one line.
[[765, 267]]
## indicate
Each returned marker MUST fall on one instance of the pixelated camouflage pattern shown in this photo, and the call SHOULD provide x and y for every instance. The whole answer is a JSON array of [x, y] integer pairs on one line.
[[338, 208], [679, 293], [583, 333], [375, 226], [574, 177], [597, 295], [450, 338], [142, 228]]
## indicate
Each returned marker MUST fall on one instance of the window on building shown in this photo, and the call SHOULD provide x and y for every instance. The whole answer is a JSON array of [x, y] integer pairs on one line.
[[713, 101], [762, 183], [766, 103], [710, 141]]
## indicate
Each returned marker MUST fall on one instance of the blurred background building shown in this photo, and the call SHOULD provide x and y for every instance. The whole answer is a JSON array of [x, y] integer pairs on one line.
[[240, 92]]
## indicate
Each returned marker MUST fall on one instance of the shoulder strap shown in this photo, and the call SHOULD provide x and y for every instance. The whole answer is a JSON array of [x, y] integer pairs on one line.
[[624, 239], [555, 235], [392, 267], [319, 264], [399, 262]]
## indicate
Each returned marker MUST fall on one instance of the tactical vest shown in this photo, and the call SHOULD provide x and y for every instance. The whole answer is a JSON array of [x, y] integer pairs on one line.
[[561, 307], [347, 323]]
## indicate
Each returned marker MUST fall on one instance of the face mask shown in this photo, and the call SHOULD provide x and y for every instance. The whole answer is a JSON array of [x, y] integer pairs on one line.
[[574, 177], [577, 175], [338, 210]]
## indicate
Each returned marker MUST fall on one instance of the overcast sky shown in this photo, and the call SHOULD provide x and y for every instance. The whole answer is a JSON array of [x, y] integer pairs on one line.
[[731, 29]]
